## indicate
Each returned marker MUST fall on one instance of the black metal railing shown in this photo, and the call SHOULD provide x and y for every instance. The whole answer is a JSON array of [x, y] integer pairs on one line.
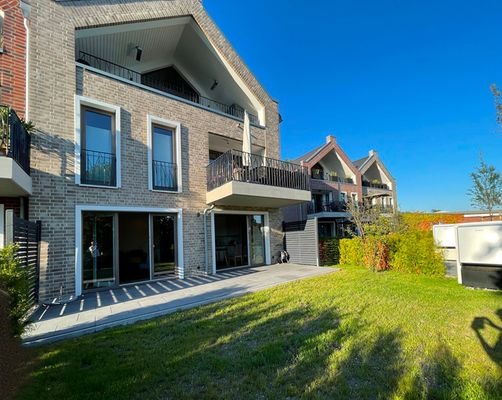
[[15, 141], [164, 175], [164, 86], [98, 168], [375, 185], [333, 178], [236, 165], [333, 206], [324, 176]]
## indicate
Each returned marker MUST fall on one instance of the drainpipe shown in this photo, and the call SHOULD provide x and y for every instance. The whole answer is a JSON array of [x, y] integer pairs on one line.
[[205, 214], [26, 9]]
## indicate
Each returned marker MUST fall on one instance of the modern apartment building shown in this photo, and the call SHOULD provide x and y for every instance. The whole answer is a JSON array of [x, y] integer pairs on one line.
[[155, 152], [335, 180]]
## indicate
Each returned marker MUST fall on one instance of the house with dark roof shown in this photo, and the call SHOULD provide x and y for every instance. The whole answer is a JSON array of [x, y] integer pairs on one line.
[[335, 180]]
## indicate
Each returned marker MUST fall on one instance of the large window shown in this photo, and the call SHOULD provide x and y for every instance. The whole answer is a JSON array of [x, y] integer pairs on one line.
[[98, 159], [164, 154], [163, 158], [97, 143]]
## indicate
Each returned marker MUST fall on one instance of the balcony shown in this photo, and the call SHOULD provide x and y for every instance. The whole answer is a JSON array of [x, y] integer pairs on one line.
[[15, 142], [320, 175], [173, 89], [375, 185], [250, 180], [331, 207]]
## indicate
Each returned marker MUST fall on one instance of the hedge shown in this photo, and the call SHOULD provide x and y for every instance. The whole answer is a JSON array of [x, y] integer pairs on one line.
[[351, 251], [329, 251], [412, 252], [416, 253]]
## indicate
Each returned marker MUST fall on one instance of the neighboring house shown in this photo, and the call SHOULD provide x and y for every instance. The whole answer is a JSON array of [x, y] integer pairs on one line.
[[141, 114], [15, 179], [335, 180]]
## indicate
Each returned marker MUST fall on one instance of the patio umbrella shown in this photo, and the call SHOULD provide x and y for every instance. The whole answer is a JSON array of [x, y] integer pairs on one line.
[[246, 140]]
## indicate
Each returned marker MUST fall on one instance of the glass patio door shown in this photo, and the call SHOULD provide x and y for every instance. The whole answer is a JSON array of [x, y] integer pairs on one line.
[[256, 225], [163, 245], [98, 250]]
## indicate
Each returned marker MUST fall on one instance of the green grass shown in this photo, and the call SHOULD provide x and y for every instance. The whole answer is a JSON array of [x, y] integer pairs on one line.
[[352, 334]]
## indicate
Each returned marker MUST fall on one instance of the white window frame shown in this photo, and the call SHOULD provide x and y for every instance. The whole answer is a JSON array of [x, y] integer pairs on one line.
[[99, 105], [2, 226], [342, 196], [176, 126], [79, 209], [266, 229]]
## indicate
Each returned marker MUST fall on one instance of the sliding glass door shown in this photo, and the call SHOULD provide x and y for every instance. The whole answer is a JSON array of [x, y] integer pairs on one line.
[[98, 250], [163, 245], [256, 225]]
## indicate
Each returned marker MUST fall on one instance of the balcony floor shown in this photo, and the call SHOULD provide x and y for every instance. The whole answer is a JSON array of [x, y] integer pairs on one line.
[[244, 194]]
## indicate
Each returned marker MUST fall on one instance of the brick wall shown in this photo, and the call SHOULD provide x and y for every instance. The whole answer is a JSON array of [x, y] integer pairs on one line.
[[56, 80], [13, 58]]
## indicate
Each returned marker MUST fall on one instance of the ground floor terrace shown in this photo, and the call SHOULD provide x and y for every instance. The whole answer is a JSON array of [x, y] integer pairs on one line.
[[98, 310], [117, 246]]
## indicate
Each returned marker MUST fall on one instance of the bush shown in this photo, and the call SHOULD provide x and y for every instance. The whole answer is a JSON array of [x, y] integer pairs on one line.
[[416, 253], [329, 251], [351, 251], [375, 253], [15, 281]]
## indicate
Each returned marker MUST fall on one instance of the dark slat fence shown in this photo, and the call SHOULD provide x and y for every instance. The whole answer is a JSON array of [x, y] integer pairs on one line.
[[26, 234]]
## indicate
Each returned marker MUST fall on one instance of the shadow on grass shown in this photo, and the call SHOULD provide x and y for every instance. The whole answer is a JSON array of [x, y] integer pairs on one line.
[[479, 324]]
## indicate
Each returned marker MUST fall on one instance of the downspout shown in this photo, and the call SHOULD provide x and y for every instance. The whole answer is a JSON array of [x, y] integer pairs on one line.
[[26, 8], [205, 214]]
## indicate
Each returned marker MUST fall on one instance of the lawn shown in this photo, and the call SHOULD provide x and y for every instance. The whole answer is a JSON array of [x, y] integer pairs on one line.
[[352, 334]]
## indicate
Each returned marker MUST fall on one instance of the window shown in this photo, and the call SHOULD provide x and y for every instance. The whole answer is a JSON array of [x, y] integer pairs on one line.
[[164, 155], [354, 198], [163, 161], [97, 139], [97, 156], [343, 197]]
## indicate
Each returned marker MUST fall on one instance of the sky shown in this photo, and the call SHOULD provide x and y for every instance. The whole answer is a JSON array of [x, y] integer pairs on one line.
[[409, 79]]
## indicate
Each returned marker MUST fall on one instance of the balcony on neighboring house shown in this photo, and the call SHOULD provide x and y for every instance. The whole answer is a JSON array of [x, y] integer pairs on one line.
[[320, 174], [375, 185], [243, 179], [15, 142], [316, 207]]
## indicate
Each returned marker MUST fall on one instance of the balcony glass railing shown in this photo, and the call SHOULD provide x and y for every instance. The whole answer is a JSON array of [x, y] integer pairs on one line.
[[15, 141], [238, 166], [165, 86]]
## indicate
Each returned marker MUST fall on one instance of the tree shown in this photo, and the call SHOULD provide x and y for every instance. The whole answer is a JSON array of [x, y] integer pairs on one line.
[[362, 214], [498, 102], [486, 191]]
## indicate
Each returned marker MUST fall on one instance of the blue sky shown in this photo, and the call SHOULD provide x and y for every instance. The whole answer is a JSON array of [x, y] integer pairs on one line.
[[407, 78]]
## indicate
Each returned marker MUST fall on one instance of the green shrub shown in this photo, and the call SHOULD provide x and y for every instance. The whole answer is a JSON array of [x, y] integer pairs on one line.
[[351, 251], [329, 251], [15, 281], [415, 253]]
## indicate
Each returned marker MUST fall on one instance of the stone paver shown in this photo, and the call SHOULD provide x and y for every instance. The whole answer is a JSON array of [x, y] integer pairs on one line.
[[128, 304]]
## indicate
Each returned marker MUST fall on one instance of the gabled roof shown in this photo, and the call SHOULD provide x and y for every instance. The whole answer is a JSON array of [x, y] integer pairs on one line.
[[317, 154], [307, 156], [363, 164], [359, 163]]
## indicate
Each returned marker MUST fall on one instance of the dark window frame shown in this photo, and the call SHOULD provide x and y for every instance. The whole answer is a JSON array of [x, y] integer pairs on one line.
[[83, 138], [172, 130]]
